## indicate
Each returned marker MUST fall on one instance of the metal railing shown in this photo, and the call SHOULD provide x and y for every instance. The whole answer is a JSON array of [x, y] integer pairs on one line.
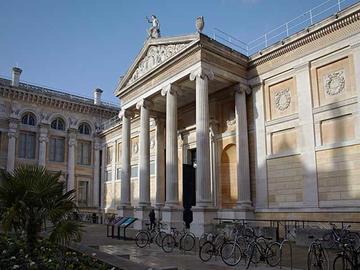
[[301, 22], [51, 91]]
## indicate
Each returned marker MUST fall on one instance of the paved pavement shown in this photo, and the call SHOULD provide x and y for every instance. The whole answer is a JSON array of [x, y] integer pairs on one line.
[[154, 257]]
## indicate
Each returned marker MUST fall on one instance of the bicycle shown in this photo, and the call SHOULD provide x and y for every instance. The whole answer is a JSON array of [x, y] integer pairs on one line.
[[230, 251], [185, 240], [317, 257], [145, 237], [337, 237], [212, 246], [261, 250], [347, 259]]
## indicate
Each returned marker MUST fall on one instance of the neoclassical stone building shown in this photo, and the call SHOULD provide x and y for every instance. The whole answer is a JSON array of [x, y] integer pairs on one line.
[[273, 135], [45, 127]]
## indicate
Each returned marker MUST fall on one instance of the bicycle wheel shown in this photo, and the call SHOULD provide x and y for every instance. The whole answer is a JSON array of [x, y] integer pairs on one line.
[[353, 239], [329, 241], [342, 263], [317, 258], [168, 243], [219, 241], [159, 237], [187, 242], [206, 251], [231, 253], [243, 243], [273, 254], [142, 239]]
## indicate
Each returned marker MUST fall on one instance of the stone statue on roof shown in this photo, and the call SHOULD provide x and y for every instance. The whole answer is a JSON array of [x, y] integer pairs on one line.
[[154, 30]]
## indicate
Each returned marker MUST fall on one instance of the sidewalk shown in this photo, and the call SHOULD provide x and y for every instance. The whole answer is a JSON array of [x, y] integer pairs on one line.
[[154, 257]]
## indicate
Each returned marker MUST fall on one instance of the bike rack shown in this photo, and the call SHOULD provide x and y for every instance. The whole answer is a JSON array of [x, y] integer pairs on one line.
[[129, 221], [286, 241]]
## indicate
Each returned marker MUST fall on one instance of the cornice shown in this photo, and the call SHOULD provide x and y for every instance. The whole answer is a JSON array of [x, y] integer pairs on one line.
[[38, 98], [305, 37]]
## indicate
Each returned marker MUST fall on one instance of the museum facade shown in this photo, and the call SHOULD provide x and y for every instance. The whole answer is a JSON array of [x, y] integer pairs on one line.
[[274, 135]]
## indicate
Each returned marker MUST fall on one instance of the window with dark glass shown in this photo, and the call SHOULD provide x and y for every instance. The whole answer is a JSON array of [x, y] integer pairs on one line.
[[28, 119], [58, 124], [27, 145], [83, 193], [57, 149], [84, 129], [84, 153]]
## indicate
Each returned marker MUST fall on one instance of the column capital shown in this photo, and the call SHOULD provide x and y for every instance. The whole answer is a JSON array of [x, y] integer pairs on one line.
[[242, 88], [12, 134], [125, 113], [170, 88], [202, 73], [144, 103], [43, 138], [72, 142], [97, 146], [302, 66]]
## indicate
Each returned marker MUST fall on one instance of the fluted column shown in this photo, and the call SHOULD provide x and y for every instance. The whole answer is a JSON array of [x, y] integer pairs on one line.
[[43, 140], [242, 147], [144, 152], [160, 163], [203, 183], [96, 186], [172, 186], [11, 146], [71, 161], [125, 158]]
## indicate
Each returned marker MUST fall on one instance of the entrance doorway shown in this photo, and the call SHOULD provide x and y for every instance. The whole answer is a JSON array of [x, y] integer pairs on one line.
[[189, 180]]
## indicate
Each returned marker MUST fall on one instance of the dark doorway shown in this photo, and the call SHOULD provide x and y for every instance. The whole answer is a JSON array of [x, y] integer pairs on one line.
[[189, 181]]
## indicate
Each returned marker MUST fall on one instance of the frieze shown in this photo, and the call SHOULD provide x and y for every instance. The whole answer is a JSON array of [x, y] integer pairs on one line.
[[334, 83], [154, 57], [282, 99]]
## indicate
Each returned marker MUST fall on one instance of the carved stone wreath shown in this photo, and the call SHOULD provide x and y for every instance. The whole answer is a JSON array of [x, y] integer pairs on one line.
[[334, 83], [154, 57], [282, 99]]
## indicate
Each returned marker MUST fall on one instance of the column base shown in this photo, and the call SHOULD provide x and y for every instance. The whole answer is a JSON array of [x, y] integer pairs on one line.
[[142, 215], [158, 211], [125, 211], [244, 210], [172, 217], [203, 220]]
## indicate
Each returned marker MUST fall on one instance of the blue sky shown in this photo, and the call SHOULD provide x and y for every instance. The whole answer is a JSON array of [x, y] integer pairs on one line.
[[78, 45]]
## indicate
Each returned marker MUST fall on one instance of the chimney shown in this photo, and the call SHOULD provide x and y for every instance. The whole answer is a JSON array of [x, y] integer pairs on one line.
[[15, 76], [97, 96]]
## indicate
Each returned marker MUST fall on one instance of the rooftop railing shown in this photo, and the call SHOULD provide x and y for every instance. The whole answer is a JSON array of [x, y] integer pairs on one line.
[[301, 22]]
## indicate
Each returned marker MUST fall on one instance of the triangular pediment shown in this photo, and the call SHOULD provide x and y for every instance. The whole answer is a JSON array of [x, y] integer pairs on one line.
[[155, 53]]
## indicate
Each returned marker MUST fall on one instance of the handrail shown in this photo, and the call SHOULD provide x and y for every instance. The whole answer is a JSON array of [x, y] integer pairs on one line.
[[297, 24]]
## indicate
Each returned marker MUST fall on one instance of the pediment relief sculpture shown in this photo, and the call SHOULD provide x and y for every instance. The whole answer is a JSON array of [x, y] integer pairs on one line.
[[155, 55]]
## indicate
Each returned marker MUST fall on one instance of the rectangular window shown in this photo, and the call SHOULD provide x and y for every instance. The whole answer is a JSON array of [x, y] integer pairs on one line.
[[134, 171], [152, 167], [118, 153], [27, 144], [84, 153], [109, 154], [108, 176], [83, 193], [57, 149], [118, 173]]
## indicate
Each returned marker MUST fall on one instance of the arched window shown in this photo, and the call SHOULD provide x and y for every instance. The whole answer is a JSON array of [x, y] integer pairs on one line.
[[58, 124], [84, 129], [28, 119]]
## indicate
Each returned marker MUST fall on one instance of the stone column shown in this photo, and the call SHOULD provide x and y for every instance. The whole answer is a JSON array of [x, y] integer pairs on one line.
[[43, 140], [160, 163], [125, 194], [260, 138], [144, 164], [103, 171], [242, 149], [71, 160], [11, 145], [307, 135], [203, 184], [96, 186], [204, 212], [172, 177]]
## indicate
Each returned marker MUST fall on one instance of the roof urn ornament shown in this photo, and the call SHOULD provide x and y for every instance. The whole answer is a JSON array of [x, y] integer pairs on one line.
[[154, 30], [200, 23]]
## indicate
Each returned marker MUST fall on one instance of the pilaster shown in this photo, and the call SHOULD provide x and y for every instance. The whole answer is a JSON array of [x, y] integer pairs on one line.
[[71, 160], [12, 135]]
